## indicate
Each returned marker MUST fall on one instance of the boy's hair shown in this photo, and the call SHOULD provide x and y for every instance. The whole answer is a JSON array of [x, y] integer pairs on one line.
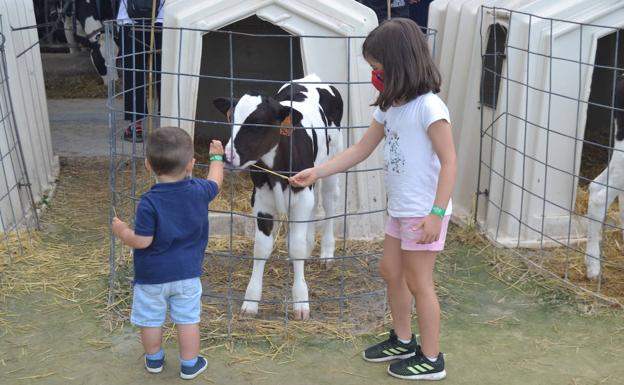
[[409, 71], [169, 149]]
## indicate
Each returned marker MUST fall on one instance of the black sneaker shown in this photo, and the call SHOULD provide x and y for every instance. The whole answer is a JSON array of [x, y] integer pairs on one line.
[[154, 366], [390, 349], [190, 372], [418, 367]]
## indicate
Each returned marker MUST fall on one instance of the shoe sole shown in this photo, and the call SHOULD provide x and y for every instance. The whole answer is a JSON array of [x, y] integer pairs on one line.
[[389, 358], [197, 373], [432, 376], [154, 370]]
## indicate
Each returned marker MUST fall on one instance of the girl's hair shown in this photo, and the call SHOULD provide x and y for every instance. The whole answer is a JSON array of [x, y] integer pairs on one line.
[[400, 46]]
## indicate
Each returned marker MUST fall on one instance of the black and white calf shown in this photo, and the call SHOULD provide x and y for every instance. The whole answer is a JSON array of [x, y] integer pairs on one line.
[[89, 32], [601, 197], [304, 109]]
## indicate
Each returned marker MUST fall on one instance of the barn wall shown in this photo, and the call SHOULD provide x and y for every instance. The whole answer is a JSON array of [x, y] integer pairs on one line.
[[26, 86]]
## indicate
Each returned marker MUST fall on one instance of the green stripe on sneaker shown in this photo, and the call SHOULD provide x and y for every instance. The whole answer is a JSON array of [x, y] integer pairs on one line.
[[419, 368], [413, 370], [427, 366], [402, 350], [387, 353], [394, 351]]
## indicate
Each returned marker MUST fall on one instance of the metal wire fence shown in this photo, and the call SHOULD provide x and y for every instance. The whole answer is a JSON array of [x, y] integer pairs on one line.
[[350, 292], [18, 213], [550, 160]]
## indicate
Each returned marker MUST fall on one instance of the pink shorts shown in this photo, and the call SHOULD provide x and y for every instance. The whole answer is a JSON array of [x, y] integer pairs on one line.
[[401, 228]]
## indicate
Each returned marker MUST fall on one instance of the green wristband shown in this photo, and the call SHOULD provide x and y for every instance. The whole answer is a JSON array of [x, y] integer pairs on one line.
[[216, 157], [439, 211]]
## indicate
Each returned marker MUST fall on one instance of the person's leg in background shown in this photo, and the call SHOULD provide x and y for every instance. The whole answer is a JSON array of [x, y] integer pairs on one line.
[[157, 64], [133, 62]]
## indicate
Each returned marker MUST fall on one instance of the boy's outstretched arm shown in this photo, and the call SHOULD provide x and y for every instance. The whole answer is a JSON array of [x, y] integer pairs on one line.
[[215, 172], [127, 235]]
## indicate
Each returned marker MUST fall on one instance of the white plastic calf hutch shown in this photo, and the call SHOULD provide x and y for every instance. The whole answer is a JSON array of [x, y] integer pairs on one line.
[[299, 37], [22, 79], [533, 135]]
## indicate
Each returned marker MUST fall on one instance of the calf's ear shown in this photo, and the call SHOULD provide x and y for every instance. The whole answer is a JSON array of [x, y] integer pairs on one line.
[[225, 105]]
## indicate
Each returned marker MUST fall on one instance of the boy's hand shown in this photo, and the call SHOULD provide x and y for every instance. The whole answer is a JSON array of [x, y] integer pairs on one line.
[[119, 226], [216, 148]]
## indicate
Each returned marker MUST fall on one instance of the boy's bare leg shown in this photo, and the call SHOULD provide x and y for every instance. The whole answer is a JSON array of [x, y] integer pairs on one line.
[[399, 296], [152, 339], [188, 338], [418, 267]]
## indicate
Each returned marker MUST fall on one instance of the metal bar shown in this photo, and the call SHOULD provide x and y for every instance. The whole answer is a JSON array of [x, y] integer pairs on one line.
[[230, 311]]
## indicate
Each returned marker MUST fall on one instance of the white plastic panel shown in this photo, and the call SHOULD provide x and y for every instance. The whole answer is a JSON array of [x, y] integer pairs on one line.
[[334, 60], [28, 94], [460, 63]]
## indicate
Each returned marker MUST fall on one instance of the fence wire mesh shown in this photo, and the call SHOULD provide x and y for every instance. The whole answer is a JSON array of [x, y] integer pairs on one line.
[[250, 55], [551, 153], [18, 214]]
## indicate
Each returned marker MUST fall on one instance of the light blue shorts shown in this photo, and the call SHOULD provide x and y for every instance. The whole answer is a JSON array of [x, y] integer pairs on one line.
[[150, 302]]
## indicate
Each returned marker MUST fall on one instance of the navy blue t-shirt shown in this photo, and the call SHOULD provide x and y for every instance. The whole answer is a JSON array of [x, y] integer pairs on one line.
[[176, 215]]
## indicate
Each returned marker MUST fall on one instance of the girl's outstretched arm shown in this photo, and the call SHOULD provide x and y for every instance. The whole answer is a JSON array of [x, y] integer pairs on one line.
[[343, 161]]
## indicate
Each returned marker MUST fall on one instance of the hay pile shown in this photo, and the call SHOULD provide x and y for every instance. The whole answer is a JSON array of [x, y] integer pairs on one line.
[[68, 259], [347, 298], [76, 87]]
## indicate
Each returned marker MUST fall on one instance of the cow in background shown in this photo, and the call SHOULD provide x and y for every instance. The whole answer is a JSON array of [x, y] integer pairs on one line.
[[89, 31]]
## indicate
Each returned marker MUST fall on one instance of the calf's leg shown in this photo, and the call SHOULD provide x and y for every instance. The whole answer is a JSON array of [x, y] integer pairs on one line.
[[263, 246], [300, 214]]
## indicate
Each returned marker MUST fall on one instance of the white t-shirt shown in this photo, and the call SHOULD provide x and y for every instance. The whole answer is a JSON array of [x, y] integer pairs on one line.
[[123, 18], [411, 165]]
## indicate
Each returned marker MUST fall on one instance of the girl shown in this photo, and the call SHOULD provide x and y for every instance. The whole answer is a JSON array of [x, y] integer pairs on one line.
[[419, 165]]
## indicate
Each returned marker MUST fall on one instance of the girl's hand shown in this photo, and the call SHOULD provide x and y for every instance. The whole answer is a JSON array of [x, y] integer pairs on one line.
[[431, 226], [304, 178], [118, 226], [216, 148]]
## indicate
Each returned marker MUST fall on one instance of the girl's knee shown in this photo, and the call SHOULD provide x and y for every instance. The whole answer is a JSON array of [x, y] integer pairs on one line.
[[390, 273], [419, 289]]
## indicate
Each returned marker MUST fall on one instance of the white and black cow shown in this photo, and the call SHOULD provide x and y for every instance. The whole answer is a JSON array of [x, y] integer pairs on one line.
[[312, 107], [89, 32], [600, 198]]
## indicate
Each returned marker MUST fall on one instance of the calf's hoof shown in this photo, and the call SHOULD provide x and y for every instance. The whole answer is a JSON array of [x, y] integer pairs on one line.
[[301, 311], [327, 262], [249, 308]]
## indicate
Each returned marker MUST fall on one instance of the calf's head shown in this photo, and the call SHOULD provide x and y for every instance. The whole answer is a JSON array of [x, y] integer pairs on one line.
[[256, 120]]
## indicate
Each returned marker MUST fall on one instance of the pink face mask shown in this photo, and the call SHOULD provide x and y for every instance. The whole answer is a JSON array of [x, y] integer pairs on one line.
[[377, 80]]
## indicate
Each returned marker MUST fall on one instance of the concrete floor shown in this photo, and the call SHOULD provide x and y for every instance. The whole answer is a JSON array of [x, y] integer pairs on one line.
[[79, 127]]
